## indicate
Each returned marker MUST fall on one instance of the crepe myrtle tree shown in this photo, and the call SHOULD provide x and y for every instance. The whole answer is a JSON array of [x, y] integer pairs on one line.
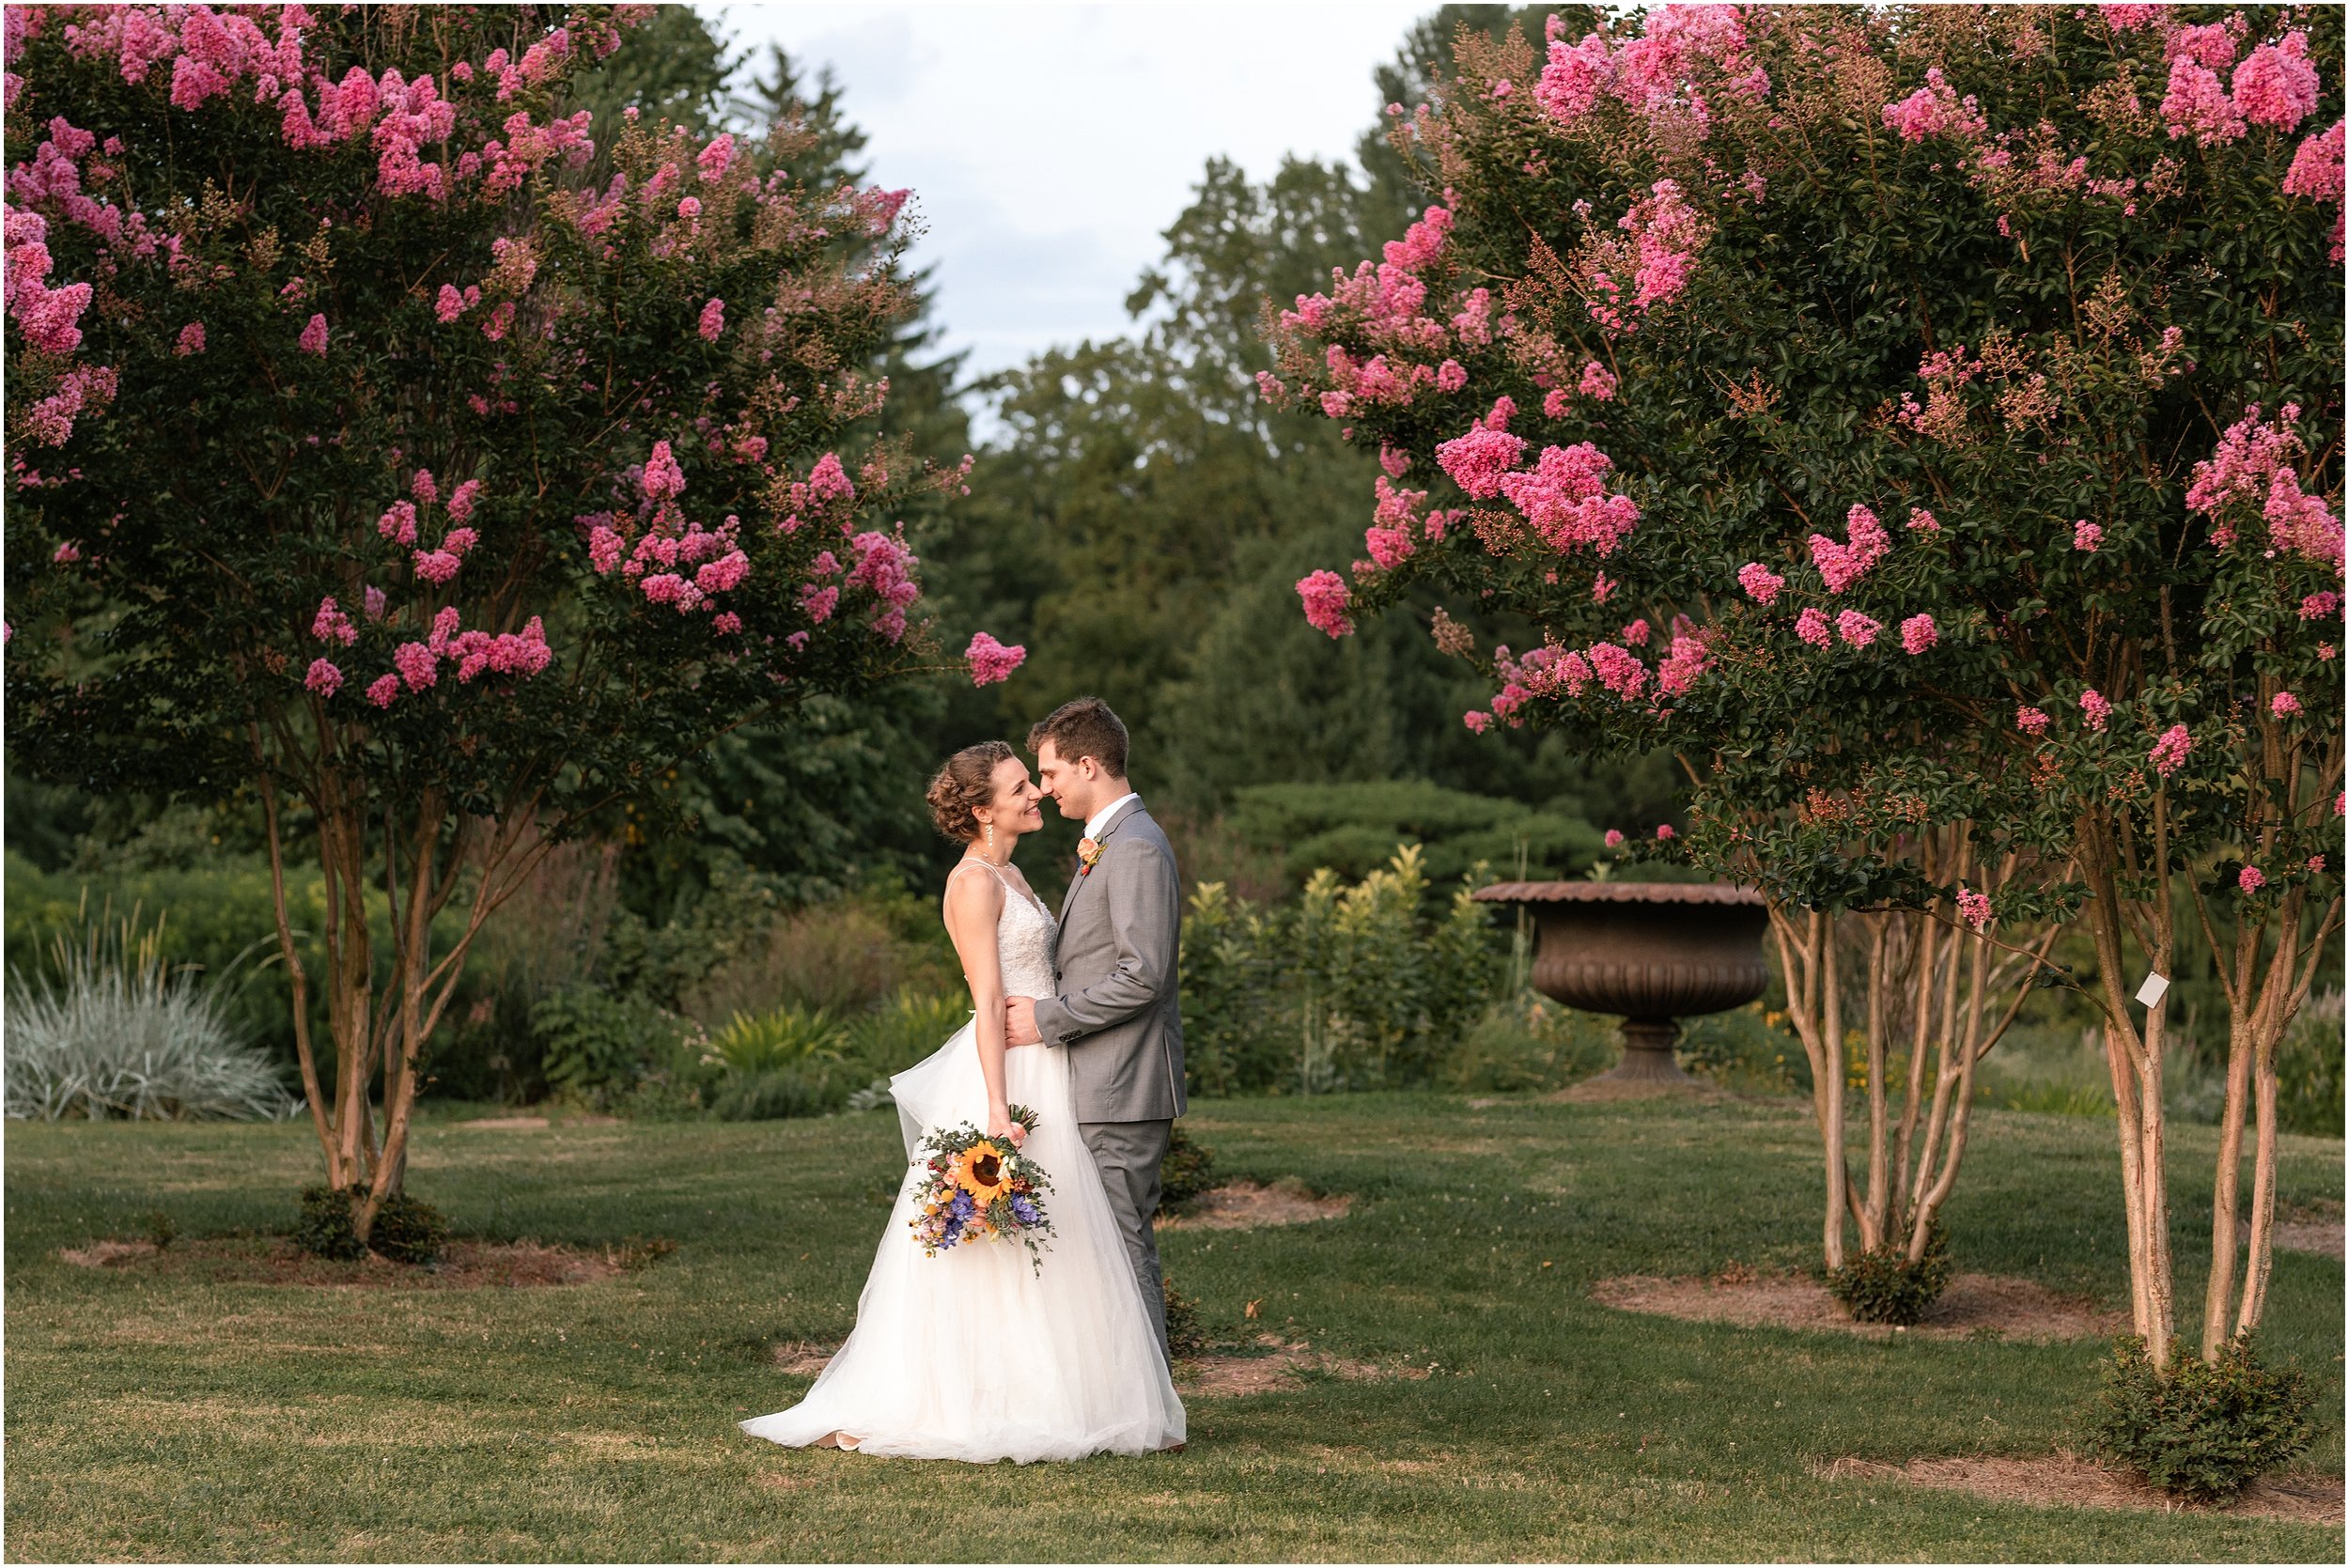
[[1925, 420], [364, 457]]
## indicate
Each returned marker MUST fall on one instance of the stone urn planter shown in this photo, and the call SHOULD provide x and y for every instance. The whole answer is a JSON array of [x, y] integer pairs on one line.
[[1651, 952]]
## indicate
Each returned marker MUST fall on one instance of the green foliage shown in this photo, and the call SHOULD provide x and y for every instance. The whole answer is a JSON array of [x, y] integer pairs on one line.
[[1187, 1171], [2201, 1431], [1881, 1286], [2307, 1068], [909, 1026], [594, 1045], [1353, 830], [1185, 1335], [407, 1230], [1528, 1042], [788, 1036], [809, 1089], [324, 1229], [1351, 987]]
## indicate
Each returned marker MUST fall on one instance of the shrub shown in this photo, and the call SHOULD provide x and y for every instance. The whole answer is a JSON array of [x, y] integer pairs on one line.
[[1187, 1171], [595, 1046], [112, 1031], [1353, 830], [815, 1088], [1881, 1286], [905, 1028], [324, 1229], [841, 956], [2308, 1069], [1351, 986], [1184, 1335], [2204, 1429], [780, 1037], [1528, 1042], [407, 1230]]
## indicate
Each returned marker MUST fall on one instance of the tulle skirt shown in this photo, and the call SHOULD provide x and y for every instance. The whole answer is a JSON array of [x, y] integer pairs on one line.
[[978, 1353]]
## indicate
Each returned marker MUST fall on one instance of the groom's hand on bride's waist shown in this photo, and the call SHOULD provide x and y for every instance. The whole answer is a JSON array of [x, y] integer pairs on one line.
[[1019, 1022]]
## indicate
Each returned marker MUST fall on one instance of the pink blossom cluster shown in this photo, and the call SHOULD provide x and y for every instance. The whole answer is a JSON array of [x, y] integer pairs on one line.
[[2031, 720], [1565, 498], [1918, 634], [1842, 564], [2252, 466], [1935, 110], [824, 494], [2087, 536], [416, 665], [1662, 235], [1812, 627], [1677, 675], [84, 389], [1394, 533], [1973, 907], [1478, 460], [2096, 708], [2250, 878], [332, 624], [2169, 751], [1761, 585], [2319, 606], [50, 319], [1682, 54], [886, 566], [1326, 599], [2283, 705], [990, 661], [2316, 174]]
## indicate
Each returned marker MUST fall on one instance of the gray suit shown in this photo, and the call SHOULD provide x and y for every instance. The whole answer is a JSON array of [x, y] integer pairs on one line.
[[1118, 1015]]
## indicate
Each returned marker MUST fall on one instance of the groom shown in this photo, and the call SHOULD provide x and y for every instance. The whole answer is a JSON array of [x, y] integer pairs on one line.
[[1118, 1010]]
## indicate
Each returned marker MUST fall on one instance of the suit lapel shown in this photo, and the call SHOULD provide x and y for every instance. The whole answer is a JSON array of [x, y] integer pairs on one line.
[[1117, 820]]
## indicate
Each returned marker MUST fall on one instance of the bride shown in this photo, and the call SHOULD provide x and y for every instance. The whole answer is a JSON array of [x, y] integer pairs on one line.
[[975, 1353]]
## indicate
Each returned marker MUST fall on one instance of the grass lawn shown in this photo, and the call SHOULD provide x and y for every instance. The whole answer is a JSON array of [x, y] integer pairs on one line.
[[171, 1418]]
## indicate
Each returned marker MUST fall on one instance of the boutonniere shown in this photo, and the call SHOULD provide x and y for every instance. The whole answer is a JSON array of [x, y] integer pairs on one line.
[[1087, 853]]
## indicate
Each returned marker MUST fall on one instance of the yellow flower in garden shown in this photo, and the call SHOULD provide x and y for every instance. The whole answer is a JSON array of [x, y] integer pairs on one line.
[[981, 1173]]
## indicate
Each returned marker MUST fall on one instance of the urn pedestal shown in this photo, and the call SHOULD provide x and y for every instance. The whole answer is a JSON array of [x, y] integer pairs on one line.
[[1650, 953]]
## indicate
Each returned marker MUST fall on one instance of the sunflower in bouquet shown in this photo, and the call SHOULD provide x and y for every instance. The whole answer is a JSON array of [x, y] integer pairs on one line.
[[974, 1188]]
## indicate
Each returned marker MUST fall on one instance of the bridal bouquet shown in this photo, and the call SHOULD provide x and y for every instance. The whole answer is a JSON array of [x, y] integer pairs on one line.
[[977, 1187]]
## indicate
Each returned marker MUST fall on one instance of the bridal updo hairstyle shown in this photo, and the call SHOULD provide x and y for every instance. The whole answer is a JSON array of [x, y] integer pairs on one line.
[[963, 785], [1083, 727]]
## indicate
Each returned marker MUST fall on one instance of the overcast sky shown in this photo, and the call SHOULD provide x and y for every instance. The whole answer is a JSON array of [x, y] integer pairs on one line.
[[1049, 143]]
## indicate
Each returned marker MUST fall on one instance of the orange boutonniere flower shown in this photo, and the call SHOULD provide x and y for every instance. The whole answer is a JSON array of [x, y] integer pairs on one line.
[[1087, 853]]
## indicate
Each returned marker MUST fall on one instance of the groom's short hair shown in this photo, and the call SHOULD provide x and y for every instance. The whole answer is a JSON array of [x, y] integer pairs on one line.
[[1083, 727]]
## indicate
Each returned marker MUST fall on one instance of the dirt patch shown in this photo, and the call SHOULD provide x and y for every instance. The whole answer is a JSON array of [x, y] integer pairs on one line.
[[274, 1261], [1277, 1368], [803, 1358], [1608, 1090], [2066, 1481], [2310, 1235], [508, 1122], [1244, 1205], [1974, 1304]]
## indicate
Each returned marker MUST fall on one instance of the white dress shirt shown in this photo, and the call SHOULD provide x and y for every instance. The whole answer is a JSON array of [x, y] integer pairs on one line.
[[1094, 823]]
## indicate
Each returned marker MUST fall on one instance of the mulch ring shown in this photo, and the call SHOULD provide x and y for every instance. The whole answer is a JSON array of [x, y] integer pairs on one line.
[[1244, 1205], [1973, 1304], [2062, 1480], [1276, 1368], [274, 1261]]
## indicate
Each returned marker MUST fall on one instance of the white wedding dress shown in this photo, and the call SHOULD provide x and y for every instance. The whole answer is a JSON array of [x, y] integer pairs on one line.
[[976, 1354]]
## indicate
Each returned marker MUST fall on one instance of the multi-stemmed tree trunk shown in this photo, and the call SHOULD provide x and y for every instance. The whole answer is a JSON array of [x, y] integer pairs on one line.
[[1931, 998]]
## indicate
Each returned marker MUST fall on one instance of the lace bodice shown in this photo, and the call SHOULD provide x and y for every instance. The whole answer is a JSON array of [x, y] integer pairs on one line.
[[1026, 933]]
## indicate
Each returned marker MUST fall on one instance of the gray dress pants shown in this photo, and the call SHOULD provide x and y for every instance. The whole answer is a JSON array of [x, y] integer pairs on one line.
[[1127, 1155]]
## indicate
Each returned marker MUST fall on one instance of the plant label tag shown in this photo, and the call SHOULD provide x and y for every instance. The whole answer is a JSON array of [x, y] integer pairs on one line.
[[2156, 987]]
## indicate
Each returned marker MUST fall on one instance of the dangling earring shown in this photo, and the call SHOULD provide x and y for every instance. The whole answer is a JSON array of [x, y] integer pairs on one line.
[[991, 835]]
